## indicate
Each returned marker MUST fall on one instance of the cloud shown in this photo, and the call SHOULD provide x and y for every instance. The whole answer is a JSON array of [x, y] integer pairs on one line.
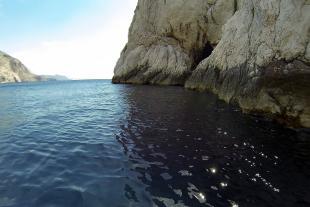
[[87, 49]]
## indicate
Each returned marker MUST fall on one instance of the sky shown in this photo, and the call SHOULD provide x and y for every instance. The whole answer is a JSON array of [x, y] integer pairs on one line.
[[81, 39]]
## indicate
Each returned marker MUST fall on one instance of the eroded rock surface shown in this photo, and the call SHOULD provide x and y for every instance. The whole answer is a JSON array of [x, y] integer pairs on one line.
[[168, 38], [252, 52], [12, 70]]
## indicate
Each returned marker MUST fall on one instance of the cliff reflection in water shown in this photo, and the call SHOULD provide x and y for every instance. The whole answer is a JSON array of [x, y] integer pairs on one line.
[[192, 149]]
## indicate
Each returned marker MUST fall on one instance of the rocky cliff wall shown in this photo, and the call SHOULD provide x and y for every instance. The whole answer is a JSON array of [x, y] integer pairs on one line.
[[12, 70], [167, 39], [252, 52]]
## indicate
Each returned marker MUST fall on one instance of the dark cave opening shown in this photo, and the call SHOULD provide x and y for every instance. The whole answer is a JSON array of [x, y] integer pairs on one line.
[[207, 51], [204, 53]]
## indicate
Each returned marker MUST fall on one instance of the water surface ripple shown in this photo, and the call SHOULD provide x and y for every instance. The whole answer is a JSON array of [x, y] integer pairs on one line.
[[94, 144]]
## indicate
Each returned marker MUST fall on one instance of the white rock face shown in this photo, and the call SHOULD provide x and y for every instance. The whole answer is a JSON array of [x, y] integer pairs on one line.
[[168, 38], [252, 52], [262, 60], [12, 70]]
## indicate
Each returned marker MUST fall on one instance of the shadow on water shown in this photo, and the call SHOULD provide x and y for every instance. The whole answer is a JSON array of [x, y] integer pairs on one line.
[[191, 149]]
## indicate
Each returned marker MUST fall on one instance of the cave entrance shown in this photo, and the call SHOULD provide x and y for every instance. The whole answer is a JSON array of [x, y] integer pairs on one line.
[[206, 52]]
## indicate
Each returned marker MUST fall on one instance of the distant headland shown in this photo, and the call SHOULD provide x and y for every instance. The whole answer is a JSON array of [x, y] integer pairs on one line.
[[13, 70]]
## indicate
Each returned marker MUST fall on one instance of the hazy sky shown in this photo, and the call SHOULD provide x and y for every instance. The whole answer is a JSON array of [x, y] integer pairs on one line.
[[81, 39]]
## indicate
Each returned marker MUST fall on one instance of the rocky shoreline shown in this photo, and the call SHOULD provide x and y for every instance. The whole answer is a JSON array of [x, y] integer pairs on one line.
[[253, 53]]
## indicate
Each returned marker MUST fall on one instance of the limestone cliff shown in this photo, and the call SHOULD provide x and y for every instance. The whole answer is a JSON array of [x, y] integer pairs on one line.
[[252, 52], [12, 70]]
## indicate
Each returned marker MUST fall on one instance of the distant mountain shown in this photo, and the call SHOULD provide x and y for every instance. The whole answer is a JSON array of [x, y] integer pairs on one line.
[[12, 70], [52, 78]]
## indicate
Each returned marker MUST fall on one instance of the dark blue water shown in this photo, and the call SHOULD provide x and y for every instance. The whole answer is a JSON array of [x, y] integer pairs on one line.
[[94, 144]]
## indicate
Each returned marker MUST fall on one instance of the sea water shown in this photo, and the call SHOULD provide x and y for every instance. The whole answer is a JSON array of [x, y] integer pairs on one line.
[[94, 144]]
